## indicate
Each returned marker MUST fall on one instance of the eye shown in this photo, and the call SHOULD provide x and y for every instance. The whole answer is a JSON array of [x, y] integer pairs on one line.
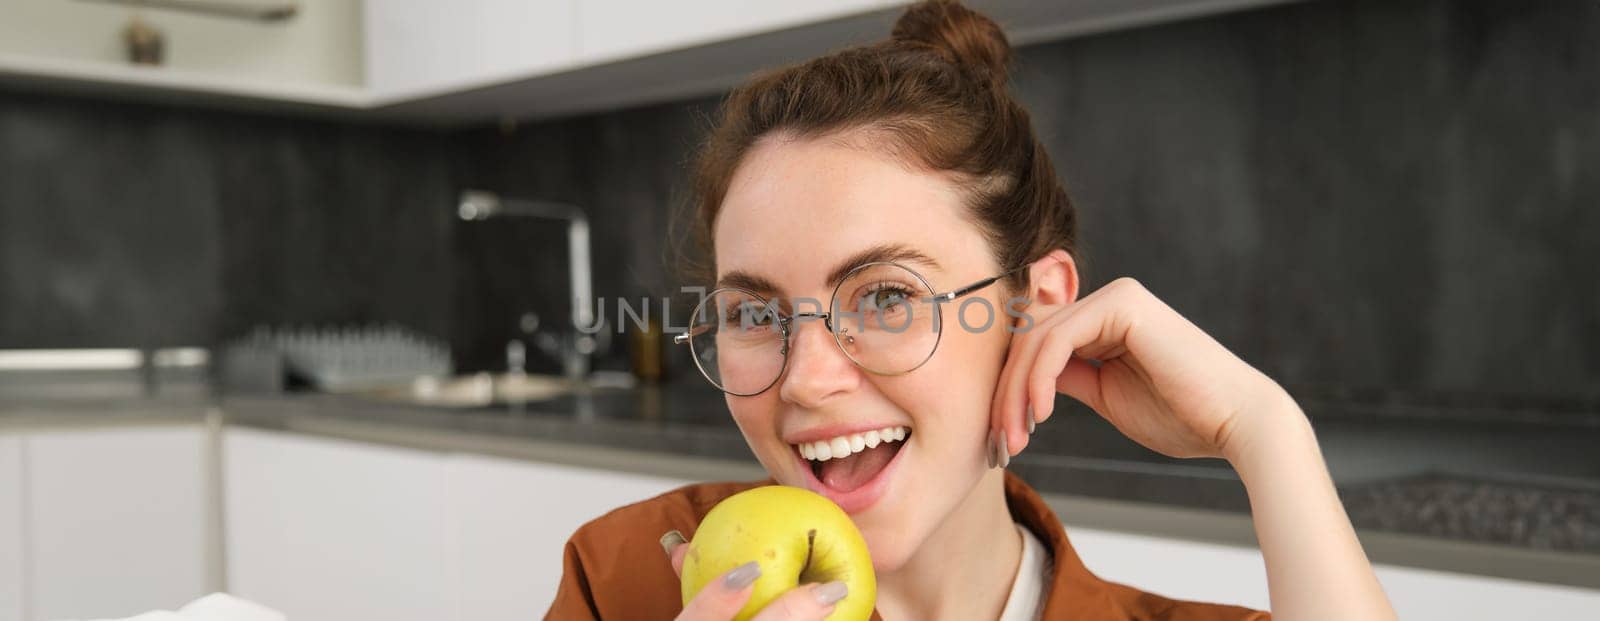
[[885, 296], [749, 314]]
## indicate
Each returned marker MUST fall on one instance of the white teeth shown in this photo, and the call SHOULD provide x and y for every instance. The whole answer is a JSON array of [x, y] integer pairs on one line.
[[840, 446], [844, 446]]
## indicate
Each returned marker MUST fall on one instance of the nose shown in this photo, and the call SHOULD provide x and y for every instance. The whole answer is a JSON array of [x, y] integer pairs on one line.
[[817, 368]]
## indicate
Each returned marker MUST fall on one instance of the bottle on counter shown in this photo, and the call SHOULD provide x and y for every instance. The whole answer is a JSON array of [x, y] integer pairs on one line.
[[645, 351]]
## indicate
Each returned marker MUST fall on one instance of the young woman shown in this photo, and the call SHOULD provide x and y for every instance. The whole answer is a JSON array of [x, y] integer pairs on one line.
[[901, 180]]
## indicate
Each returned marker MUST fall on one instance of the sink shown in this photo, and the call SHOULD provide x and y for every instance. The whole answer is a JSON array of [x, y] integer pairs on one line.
[[476, 390]]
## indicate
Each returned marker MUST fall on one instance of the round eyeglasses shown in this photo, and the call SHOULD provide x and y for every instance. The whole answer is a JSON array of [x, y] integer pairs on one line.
[[884, 316]]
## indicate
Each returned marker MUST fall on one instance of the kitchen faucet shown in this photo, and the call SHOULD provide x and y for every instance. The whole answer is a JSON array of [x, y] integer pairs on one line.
[[575, 348]]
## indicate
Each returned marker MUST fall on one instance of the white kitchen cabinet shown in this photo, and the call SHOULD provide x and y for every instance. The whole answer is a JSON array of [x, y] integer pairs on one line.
[[313, 58], [614, 29], [332, 529], [11, 539], [471, 61], [326, 529], [115, 520], [416, 48], [513, 521], [421, 48], [1236, 575]]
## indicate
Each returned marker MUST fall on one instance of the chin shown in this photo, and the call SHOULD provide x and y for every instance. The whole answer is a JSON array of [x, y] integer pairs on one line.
[[891, 544]]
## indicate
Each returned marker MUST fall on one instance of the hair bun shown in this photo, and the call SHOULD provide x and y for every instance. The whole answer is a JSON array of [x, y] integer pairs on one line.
[[963, 36]]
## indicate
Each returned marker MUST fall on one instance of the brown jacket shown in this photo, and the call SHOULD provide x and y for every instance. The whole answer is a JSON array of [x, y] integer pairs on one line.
[[615, 569]]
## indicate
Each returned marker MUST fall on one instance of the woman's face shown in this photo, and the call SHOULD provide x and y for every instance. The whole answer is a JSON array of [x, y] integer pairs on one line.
[[798, 210]]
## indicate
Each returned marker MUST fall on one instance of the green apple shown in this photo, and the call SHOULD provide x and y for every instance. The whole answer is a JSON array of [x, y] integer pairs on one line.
[[797, 535]]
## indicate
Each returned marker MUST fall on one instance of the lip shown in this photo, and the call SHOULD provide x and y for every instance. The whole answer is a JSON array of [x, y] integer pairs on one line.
[[861, 498]]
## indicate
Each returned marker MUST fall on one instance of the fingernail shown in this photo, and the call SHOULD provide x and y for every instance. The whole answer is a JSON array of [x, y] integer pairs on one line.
[[831, 592], [1030, 420], [742, 576], [671, 540], [1001, 454], [989, 449]]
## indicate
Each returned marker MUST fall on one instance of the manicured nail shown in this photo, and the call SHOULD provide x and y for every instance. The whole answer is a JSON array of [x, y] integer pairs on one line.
[[989, 448], [1001, 454], [1030, 420], [831, 592], [742, 576], [671, 540]]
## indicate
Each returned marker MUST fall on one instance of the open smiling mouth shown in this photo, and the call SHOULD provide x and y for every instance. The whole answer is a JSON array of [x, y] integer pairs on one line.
[[850, 468]]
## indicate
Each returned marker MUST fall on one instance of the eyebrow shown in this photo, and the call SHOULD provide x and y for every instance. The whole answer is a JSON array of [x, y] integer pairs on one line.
[[897, 253]]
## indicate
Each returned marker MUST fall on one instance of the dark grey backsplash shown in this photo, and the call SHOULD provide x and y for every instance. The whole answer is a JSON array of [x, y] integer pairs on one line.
[[144, 225], [109, 231], [1378, 195], [629, 170], [1369, 194]]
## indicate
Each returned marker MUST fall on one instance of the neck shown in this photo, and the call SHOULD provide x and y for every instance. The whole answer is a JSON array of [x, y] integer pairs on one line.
[[965, 568]]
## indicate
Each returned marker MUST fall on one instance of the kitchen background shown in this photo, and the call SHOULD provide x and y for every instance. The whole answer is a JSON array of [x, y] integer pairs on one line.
[[1389, 206], [1363, 195]]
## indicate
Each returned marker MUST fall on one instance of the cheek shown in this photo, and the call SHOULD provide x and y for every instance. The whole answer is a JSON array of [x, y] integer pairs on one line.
[[948, 398], [756, 417], [963, 373], [978, 317], [752, 415]]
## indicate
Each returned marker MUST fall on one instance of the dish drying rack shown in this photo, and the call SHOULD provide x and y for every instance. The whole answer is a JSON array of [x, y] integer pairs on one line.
[[335, 358]]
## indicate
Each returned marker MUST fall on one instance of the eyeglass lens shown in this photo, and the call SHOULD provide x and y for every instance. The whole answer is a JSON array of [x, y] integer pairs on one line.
[[881, 316]]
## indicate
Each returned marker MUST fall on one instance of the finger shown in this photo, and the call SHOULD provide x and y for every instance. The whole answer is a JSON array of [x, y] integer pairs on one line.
[[1047, 367], [1124, 323], [1013, 401], [1100, 325], [807, 602], [1093, 326], [677, 559], [724, 596], [1081, 381], [672, 542], [999, 404]]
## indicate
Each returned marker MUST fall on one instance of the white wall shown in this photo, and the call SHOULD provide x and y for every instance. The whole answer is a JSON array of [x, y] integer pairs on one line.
[[319, 45]]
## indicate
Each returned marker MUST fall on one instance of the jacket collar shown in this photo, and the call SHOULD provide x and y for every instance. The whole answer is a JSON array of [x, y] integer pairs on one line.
[[1073, 591]]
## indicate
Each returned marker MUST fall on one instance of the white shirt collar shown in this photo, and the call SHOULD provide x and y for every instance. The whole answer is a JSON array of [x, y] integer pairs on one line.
[[1028, 589]]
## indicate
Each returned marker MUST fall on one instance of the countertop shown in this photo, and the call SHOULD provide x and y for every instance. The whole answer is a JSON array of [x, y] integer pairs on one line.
[[1517, 499]]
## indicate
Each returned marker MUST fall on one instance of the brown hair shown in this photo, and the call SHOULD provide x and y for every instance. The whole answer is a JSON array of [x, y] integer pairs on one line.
[[936, 92]]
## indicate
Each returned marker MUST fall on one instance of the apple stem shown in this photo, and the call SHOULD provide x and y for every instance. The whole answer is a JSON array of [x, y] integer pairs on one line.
[[811, 544]]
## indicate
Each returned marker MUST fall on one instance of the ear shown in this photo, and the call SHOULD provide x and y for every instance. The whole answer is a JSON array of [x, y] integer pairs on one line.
[[1052, 283]]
